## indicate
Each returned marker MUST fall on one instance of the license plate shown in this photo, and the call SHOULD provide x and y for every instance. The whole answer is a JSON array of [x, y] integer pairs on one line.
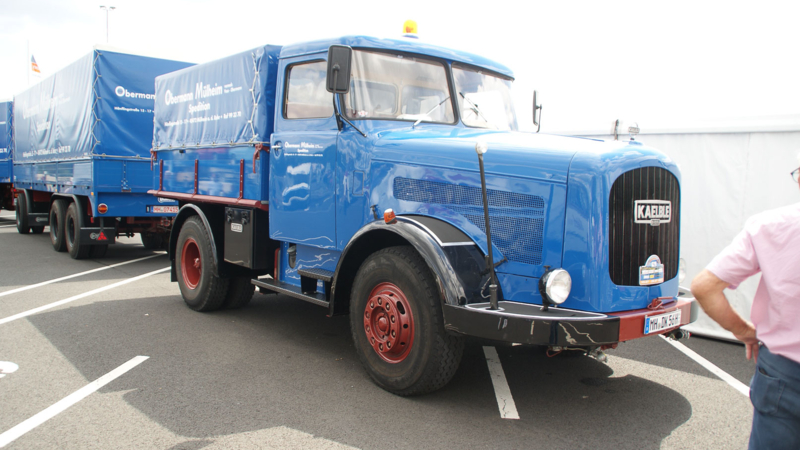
[[660, 322], [162, 209]]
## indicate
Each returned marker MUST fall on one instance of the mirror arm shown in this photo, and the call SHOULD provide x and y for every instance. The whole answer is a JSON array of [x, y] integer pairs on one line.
[[340, 117], [539, 123]]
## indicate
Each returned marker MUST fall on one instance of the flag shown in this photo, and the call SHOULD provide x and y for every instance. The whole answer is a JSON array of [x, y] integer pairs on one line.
[[34, 66]]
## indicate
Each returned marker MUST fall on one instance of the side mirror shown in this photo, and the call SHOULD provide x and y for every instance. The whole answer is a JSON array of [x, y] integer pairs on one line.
[[536, 107], [339, 58]]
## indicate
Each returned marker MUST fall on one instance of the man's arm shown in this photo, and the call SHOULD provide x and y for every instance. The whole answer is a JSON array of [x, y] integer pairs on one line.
[[708, 289]]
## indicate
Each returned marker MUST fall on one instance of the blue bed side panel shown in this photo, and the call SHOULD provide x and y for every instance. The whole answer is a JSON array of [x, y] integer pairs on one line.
[[227, 102]]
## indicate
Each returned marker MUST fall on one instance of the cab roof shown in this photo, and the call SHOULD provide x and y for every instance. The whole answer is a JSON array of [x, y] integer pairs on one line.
[[402, 45]]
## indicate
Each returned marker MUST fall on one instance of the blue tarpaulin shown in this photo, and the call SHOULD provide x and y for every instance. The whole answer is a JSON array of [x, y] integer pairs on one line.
[[101, 104], [5, 141], [226, 102], [5, 130]]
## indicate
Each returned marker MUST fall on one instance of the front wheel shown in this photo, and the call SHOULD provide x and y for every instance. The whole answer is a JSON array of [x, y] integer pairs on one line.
[[200, 288], [397, 325]]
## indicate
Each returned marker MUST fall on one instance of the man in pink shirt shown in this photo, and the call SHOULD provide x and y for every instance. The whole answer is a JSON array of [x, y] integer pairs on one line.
[[770, 244]]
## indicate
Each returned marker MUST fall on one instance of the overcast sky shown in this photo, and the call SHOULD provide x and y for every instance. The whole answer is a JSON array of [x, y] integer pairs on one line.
[[591, 61]]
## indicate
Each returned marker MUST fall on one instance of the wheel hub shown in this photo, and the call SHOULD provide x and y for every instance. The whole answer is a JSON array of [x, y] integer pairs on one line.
[[191, 264], [389, 323]]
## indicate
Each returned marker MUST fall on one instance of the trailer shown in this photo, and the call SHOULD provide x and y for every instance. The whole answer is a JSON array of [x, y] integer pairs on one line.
[[387, 179], [6, 163], [81, 154]]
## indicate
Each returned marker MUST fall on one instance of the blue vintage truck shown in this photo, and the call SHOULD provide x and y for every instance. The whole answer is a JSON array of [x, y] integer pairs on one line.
[[386, 179], [82, 154], [6, 163]]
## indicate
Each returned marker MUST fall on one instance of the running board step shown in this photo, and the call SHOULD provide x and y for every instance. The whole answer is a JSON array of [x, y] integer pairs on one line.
[[292, 291], [317, 274]]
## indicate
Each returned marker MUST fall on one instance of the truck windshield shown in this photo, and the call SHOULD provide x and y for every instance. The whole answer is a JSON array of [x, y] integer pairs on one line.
[[484, 99], [398, 87]]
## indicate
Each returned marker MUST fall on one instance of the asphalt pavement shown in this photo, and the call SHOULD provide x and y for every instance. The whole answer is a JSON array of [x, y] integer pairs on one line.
[[278, 373]]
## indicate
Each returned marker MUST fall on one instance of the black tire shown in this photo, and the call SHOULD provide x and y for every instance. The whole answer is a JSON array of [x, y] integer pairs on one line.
[[58, 211], [98, 251], [152, 241], [73, 222], [37, 230], [22, 214], [201, 290], [240, 292], [432, 356]]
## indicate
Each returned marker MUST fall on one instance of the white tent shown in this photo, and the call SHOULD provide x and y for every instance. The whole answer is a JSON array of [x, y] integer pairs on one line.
[[731, 170]]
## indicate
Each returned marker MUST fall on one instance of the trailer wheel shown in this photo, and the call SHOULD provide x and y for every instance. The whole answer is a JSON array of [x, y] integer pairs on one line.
[[72, 232], [201, 290], [152, 241], [22, 214], [240, 293], [57, 212], [397, 325]]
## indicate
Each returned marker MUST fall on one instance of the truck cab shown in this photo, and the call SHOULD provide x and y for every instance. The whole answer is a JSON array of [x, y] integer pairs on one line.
[[392, 184]]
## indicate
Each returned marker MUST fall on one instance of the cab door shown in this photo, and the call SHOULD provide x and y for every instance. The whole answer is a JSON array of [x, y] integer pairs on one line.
[[302, 194]]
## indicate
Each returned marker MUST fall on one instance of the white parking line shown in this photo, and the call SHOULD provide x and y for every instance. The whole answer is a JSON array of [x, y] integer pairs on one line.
[[736, 384], [47, 414], [508, 410], [6, 226], [25, 288], [79, 296]]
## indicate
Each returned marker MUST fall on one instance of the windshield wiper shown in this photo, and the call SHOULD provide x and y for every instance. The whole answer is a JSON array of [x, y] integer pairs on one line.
[[429, 112], [477, 110]]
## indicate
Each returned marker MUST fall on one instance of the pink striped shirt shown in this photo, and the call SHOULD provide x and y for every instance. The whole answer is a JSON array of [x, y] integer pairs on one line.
[[770, 244]]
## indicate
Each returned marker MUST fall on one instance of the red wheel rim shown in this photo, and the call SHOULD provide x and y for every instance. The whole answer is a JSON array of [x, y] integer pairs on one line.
[[191, 264], [389, 323]]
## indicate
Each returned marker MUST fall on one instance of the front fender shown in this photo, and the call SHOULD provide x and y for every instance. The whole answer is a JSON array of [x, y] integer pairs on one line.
[[406, 230]]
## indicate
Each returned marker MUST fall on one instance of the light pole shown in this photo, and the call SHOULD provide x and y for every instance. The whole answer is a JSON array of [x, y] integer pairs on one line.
[[107, 8]]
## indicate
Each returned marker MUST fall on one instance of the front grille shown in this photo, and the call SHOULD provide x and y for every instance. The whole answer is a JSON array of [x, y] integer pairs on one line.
[[630, 243], [517, 220]]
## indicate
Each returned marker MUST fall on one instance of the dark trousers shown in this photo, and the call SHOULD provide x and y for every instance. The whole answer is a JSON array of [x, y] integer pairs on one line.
[[775, 394]]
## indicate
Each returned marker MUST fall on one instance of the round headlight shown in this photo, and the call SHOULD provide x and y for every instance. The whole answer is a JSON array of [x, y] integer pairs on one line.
[[557, 284]]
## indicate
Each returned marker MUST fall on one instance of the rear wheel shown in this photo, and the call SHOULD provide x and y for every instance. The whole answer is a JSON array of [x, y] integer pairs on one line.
[[72, 232], [152, 241], [240, 292], [58, 211], [200, 288], [22, 214], [397, 325]]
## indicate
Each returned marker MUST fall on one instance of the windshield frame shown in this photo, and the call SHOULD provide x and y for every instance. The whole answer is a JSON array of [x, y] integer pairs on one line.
[[483, 71], [449, 66], [426, 59]]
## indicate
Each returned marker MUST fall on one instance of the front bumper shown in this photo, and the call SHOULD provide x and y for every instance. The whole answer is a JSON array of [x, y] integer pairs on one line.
[[528, 324]]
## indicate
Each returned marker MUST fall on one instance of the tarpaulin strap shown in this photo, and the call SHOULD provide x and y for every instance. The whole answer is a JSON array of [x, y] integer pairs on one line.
[[253, 95], [256, 153], [95, 99]]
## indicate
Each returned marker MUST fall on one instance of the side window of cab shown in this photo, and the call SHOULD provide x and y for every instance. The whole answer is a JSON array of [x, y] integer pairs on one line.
[[306, 96]]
